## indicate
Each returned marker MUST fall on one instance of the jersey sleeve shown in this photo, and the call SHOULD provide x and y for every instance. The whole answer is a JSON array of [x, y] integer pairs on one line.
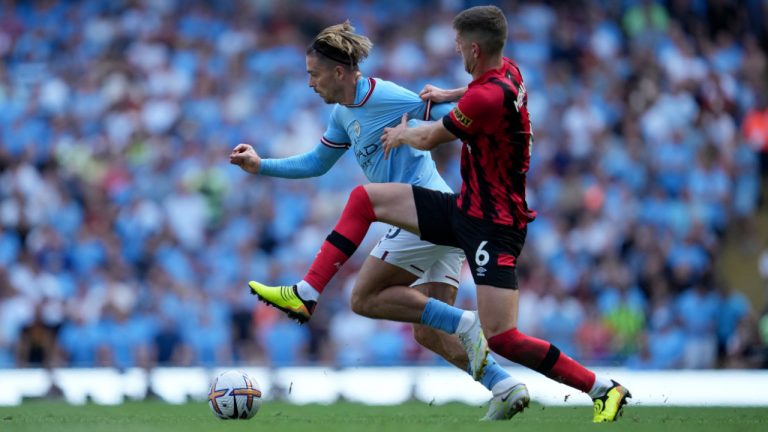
[[476, 108], [335, 136], [310, 164], [438, 111]]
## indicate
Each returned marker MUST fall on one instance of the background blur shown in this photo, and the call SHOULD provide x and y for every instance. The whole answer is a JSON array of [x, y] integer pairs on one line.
[[127, 238]]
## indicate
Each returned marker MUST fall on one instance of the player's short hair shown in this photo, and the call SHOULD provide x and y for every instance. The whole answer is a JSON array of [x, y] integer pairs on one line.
[[341, 44], [485, 25]]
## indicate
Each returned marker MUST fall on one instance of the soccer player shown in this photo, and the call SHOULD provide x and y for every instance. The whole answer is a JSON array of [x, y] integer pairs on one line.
[[488, 218], [363, 107]]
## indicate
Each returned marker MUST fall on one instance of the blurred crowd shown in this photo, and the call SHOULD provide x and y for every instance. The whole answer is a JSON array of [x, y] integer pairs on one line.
[[127, 239]]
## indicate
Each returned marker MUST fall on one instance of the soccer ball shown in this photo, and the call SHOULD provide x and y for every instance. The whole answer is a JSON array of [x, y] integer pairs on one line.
[[234, 395]]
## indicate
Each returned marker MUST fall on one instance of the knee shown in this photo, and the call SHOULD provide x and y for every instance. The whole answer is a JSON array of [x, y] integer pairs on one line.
[[491, 330], [360, 305], [358, 192], [360, 197]]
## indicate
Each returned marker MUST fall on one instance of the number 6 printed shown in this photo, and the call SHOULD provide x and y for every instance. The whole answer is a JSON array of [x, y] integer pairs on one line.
[[482, 256]]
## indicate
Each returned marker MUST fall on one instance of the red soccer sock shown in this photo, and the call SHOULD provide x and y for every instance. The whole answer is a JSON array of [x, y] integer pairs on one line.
[[543, 357], [343, 241]]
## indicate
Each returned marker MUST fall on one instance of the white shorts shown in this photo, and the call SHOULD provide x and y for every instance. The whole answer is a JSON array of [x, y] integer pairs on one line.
[[429, 262]]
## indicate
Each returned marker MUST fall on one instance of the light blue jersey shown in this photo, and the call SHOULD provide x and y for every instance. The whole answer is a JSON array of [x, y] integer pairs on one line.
[[378, 104]]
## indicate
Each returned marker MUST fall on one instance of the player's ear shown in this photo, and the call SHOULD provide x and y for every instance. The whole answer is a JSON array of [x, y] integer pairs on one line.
[[475, 50], [339, 71]]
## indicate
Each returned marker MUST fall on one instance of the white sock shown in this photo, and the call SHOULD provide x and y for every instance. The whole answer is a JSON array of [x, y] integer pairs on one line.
[[504, 385], [600, 387], [465, 323], [306, 292]]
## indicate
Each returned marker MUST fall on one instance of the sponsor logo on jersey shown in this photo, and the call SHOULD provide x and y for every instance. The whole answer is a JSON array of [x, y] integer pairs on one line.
[[461, 117]]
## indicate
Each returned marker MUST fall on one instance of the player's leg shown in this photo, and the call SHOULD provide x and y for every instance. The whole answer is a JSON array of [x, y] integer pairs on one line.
[[382, 291], [498, 308], [393, 203], [389, 202], [382, 288], [401, 270], [498, 313], [399, 263], [366, 204], [509, 395], [493, 253], [445, 345], [438, 269], [299, 300]]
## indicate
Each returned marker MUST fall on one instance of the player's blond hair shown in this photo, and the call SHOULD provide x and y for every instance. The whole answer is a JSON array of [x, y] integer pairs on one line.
[[341, 44]]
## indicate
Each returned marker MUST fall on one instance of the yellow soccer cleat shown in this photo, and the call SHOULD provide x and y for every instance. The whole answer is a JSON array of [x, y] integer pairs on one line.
[[285, 298], [611, 405]]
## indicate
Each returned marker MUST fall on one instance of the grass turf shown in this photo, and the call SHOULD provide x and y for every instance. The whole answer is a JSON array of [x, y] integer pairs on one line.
[[347, 417]]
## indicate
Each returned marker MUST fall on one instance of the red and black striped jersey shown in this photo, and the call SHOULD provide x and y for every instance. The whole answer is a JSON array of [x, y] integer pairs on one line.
[[492, 121]]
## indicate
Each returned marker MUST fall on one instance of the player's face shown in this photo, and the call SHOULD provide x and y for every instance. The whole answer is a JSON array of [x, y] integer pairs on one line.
[[467, 50], [323, 80]]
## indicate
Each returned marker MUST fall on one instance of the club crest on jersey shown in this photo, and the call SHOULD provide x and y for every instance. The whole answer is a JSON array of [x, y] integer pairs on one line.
[[461, 117], [353, 130]]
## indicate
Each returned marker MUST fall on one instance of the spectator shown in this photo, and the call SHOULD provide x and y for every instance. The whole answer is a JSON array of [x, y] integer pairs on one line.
[[734, 313], [698, 308], [594, 338], [38, 346], [755, 130]]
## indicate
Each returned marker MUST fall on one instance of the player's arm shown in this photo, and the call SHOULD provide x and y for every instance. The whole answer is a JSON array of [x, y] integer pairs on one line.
[[476, 108], [313, 163], [438, 95], [439, 110], [424, 137]]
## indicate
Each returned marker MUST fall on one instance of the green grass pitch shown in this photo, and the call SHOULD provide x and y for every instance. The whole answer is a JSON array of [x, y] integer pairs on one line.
[[347, 417]]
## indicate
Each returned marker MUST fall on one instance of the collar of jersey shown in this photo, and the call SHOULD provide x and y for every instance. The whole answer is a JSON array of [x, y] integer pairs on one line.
[[363, 90], [483, 77]]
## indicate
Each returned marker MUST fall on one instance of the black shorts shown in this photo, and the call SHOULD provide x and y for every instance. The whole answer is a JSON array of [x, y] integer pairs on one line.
[[491, 249]]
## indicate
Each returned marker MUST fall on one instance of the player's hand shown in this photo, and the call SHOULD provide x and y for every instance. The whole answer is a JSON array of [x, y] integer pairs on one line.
[[438, 95], [391, 138], [435, 94], [244, 156]]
